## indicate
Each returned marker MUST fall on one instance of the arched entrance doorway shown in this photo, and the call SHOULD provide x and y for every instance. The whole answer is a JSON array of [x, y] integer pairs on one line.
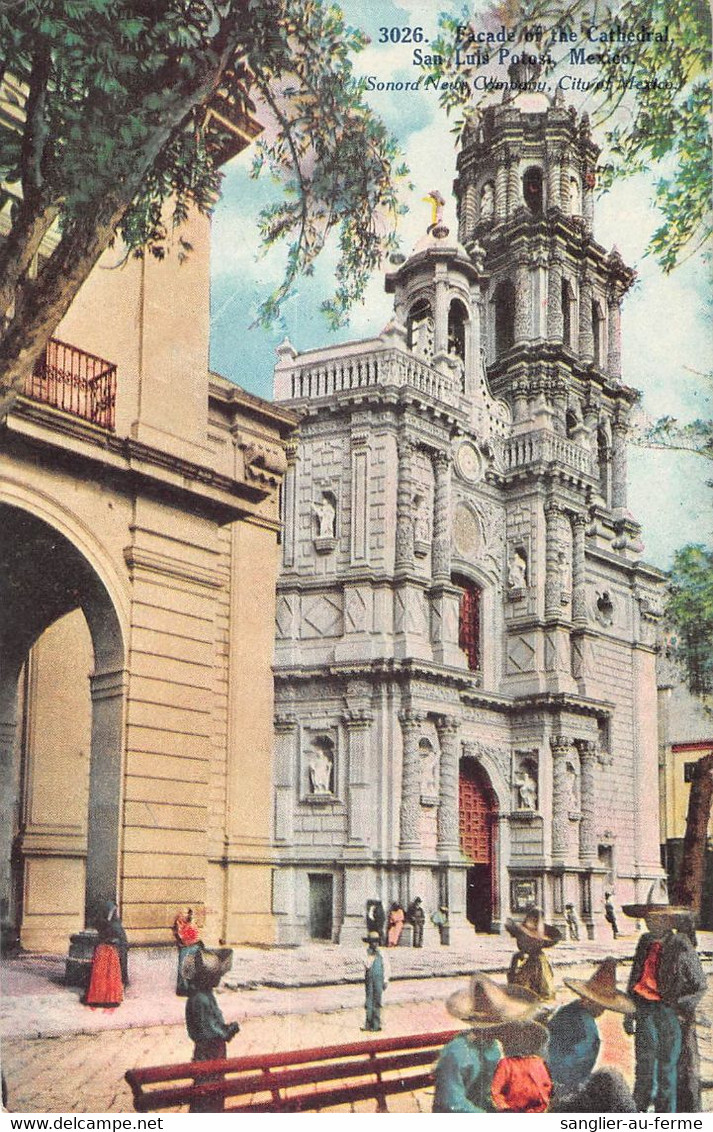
[[477, 809], [61, 734]]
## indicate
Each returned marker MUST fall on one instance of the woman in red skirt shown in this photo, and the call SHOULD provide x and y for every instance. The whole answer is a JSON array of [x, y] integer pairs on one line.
[[106, 985]]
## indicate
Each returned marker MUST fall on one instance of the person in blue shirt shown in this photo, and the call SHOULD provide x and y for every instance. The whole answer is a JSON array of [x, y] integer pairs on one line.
[[376, 980], [465, 1069], [574, 1044], [207, 1028]]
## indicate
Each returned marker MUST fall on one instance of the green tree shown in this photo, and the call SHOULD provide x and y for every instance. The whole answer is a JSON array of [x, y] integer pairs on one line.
[[652, 101], [689, 612], [105, 120]]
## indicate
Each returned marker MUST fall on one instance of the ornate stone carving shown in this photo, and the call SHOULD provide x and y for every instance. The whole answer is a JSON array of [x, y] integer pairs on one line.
[[499, 756], [525, 780]]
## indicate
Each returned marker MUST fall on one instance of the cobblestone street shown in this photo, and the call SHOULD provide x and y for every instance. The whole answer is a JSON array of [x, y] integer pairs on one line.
[[79, 1071]]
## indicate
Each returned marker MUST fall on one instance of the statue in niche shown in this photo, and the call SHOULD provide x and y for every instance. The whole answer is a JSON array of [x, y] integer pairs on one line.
[[429, 770], [326, 514], [320, 768], [422, 519], [487, 201], [517, 570], [526, 788], [565, 578]]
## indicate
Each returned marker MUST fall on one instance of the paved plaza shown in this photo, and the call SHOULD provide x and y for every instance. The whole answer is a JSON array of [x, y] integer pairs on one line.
[[60, 1056]]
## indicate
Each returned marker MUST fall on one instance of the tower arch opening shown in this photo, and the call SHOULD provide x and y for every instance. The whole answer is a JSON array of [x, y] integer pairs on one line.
[[532, 190], [420, 329]]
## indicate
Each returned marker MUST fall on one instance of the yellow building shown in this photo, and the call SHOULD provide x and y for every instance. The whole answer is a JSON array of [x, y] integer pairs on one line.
[[138, 557]]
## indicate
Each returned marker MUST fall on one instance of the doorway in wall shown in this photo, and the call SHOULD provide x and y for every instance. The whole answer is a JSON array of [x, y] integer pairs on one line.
[[321, 899]]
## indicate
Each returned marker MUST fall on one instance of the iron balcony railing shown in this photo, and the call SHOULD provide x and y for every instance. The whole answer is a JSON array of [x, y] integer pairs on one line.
[[76, 382]]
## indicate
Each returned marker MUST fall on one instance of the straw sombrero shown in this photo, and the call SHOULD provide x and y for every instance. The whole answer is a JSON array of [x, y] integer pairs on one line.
[[602, 989], [659, 908], [207, 966], [533, 933], [485, 1004]]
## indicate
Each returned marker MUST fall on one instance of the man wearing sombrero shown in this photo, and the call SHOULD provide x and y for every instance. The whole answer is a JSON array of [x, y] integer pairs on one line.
[[666, 984], [465, 1069], [574, 1045], [207, 1028], [530, 967]]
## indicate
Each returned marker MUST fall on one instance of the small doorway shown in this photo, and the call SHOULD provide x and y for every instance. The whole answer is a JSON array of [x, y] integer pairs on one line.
[[321, 892], [478, 897]]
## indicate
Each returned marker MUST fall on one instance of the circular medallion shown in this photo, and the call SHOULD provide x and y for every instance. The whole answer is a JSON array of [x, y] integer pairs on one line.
[[466, 532], [469, 462]]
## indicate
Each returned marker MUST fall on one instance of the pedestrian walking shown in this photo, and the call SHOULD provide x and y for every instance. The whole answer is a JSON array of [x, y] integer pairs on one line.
[[207, 1028], [666, 984], [610, 913], [397, 918], [467, 1064], [376, 980], [416, 916], [572, 922], [529, 966], [574, 1045], [522, 1081]]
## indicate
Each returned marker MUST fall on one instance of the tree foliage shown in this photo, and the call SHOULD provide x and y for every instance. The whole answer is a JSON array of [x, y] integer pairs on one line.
[[689, 612], [105, 128], [652, 100]]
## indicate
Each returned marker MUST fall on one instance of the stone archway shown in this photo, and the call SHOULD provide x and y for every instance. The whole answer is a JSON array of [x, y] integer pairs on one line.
[[46, 583], [477, 808]]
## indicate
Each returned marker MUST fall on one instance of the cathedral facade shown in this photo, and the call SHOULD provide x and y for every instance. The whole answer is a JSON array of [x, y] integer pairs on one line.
[[465, 666]]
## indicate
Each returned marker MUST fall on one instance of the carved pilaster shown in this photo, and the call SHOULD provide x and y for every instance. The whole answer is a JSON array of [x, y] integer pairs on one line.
[[285, 775], [554, 197], [501, 191], [441, 552], [586, 331], [448, 830], [587, 828], [468, 216], [614, 342], [404, 501], [579, 573], [523, 301], [561, 746], [514, 194], [618, 462], [554, 517], [555, 315], [358, 728], [410, 811]]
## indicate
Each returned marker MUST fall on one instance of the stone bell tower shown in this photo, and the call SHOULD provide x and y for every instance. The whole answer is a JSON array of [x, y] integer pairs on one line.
[[552, 339]]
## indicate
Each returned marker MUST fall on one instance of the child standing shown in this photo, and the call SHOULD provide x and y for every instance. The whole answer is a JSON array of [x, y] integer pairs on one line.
[[205, 1023], [522, 1081]]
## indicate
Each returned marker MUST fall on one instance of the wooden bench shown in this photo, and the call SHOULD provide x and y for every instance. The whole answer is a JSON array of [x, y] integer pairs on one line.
[[306, 1080]]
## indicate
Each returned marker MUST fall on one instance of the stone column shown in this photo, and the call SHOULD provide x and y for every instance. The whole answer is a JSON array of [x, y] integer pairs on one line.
[[108, 691], [588, 201], [579, 595], [523, 301], [587, 786], [358, 727], [554, 196], [468, 213], [554, 517], [359, 534], [564, 185], [618, 463], [289, 505], [448, 816], [410, 811], [501, 190], [404, 506], [441, 551], [440, 318], [586, 333], [286, 784], [555, 316], [514, 194], [560, 745], [614, 340]]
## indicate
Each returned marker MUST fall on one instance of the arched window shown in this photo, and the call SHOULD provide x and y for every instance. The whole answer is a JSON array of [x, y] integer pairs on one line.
[[598, 334], [567, 309], [419, 327], [532, 189], [469, 621], [603, 462], [457, 320], [504, 300]]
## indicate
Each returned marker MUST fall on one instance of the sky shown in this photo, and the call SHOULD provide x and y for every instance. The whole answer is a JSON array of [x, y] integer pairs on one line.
[[666, 323]]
